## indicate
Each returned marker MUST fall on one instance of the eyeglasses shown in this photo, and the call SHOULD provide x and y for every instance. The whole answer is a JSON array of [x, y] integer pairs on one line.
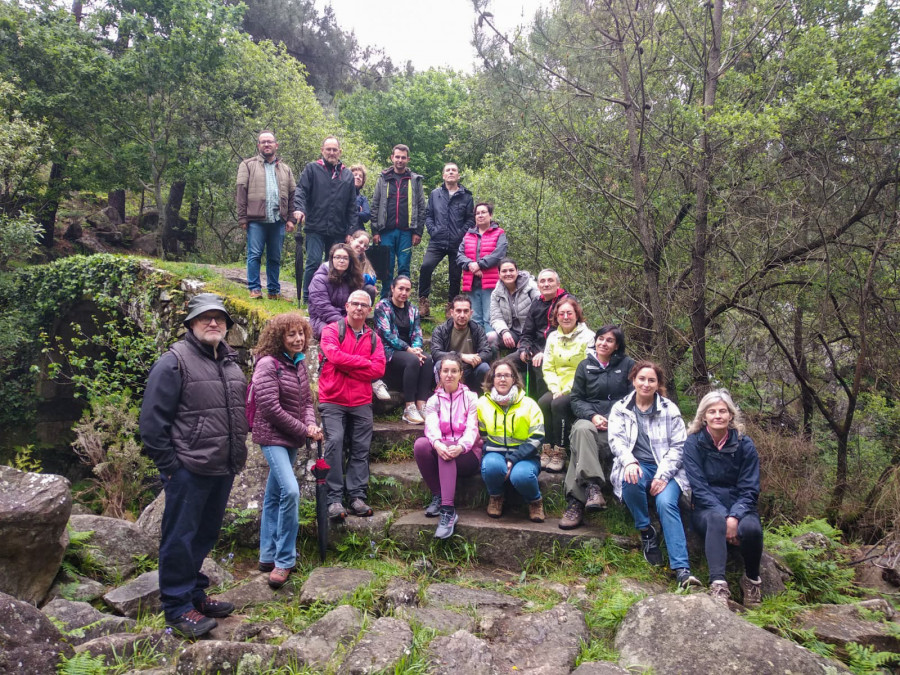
[[340, 257], [359, 305], [206, 320], [503, 376]]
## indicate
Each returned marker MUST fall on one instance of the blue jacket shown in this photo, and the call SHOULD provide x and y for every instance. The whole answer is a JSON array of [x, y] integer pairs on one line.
[[365, 213], [726, 480], [448, 218]]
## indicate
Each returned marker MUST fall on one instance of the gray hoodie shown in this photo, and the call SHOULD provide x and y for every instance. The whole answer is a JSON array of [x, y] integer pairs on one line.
[[509, 310]]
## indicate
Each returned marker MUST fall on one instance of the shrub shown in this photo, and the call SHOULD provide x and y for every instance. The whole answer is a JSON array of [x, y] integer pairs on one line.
[[18, 238], [106, 440]]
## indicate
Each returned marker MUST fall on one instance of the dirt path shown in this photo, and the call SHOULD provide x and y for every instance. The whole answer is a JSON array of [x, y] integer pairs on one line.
[[239, 276]]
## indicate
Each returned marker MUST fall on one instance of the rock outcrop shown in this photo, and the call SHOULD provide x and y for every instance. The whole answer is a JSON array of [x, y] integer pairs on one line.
[[34, 510]]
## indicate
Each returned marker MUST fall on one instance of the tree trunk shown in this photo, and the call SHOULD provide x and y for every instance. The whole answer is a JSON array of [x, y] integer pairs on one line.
[[172, 216], [700, 367], [116, 199], [53, 195], [806, 402], [77, 11]]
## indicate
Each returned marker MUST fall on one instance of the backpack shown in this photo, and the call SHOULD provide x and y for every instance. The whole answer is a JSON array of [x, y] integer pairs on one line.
[[342, 331], [250, 407]]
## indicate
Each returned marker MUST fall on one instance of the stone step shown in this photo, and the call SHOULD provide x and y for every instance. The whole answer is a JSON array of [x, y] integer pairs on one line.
[[506, 542], [391, 436], [470, 490]]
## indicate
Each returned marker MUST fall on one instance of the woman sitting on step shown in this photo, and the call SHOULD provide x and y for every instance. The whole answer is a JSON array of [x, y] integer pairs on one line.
[[600, 380], [646, 436], [566, 347], [331, 286], [512, 427], [283, 420], [723, 467], [408, 365], [451, 445]]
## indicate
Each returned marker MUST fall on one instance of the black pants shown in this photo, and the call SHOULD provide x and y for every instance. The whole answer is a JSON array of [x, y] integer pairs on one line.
[[404, 371], [711, 525], [192, 518], [558, 418], [433, 256]]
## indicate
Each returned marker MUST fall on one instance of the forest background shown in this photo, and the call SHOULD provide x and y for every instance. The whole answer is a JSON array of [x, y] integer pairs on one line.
[[719, 178]]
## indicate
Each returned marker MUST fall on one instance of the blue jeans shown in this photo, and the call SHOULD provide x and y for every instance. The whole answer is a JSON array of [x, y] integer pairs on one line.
[[317, 247], [279, 524], [481, 308], [399, 243], [192, 518], [524, 475], [474, 377], [636, 498], [269, 236]]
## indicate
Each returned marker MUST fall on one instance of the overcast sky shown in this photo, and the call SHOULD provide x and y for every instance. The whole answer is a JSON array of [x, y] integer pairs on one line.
[[430, 33]]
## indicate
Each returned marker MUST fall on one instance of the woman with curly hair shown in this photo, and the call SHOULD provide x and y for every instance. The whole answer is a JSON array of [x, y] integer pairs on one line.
[[722, 465], [283, 420], [332, 285]]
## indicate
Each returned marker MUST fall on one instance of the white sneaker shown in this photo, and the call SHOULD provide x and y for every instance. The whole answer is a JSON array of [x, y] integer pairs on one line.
[[381, 390], [411, 415]]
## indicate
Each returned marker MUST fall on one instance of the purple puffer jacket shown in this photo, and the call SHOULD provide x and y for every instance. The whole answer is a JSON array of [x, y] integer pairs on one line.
[[327, 302], [284, 406]]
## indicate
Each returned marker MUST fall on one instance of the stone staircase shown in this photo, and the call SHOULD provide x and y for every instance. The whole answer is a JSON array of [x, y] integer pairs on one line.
[[399, 495]]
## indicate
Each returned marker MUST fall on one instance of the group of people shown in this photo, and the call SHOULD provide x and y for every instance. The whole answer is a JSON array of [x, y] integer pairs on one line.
[[562, 397]]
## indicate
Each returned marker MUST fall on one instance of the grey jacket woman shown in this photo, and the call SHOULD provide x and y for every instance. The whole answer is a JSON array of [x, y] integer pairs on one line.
[[667, 436], [509, 310]]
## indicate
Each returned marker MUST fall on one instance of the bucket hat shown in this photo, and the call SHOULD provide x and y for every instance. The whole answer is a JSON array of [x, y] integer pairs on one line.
[[206, 302]]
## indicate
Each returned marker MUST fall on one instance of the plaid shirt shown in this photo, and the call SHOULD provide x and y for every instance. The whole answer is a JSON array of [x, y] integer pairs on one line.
[[272, 197]]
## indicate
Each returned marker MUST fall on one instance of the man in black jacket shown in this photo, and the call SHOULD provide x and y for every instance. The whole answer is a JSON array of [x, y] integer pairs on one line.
[[465, 337], [325, 199], [194, 427], [449, 214], [537, 327]]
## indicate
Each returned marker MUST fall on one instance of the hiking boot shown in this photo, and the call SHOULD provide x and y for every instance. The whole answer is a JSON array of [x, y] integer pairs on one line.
[[448, 520], [573, 517], [192, 624], [545, 456], [650, 547], [336, 511], [359, 508], [424, 308], [381, 391], [256, 295], [557, 460], [752, 591], [536, 511], [411, 415], [218, 609], [433, 510], [495, 506], [276, 296], [685, 579], [278, 577], [595, 500], [719, 592]]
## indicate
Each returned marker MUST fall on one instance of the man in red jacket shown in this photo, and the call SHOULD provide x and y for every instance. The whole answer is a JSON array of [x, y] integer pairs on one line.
[[352, 357]]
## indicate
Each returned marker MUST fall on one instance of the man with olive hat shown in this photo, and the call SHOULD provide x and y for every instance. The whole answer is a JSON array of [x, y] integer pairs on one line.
[[193, 426]]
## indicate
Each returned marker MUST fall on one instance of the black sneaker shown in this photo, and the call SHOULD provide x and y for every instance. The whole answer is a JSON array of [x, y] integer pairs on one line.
[[217, 609], [192, 624], [449, 518], [685, 579], [433, 510], [650, 547]]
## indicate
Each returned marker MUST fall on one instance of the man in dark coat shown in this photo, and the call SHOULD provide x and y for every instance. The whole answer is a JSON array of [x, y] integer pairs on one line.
[[193, 426], [449, 215], [325, 200], [459, 334]]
